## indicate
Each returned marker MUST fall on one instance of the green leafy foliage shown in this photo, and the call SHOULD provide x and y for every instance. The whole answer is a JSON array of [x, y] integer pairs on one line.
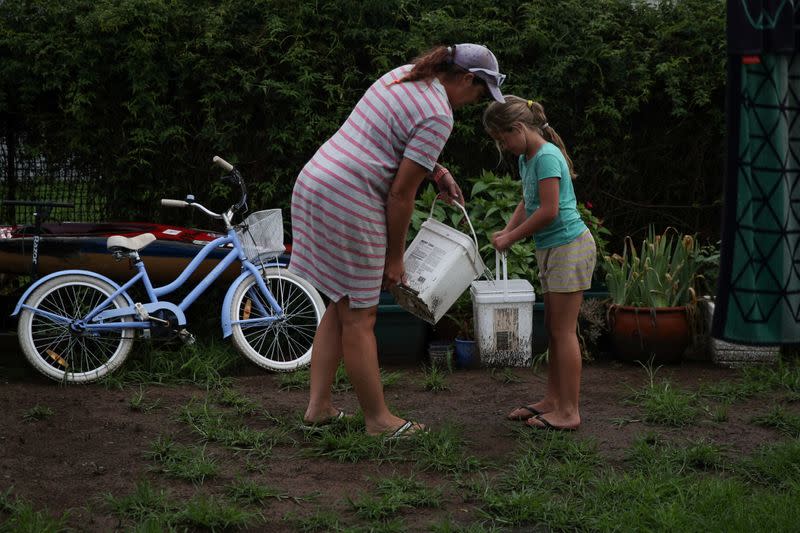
[[141, 93], [662, 273]]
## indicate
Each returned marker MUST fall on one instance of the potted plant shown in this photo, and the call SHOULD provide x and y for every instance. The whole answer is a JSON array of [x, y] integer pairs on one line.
[[653, 298]]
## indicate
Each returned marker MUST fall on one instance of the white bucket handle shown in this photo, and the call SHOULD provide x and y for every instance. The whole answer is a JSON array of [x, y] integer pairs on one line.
[[500, 257], [463, 210]]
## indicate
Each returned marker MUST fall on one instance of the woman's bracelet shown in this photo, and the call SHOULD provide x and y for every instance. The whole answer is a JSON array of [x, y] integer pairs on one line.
[[438, 172]]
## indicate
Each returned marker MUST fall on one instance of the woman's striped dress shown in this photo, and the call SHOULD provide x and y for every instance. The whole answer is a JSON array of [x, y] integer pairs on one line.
[[339, 199]]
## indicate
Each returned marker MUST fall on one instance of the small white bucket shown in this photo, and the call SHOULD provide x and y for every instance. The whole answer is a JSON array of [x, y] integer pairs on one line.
[[503, 311], [440, 264]]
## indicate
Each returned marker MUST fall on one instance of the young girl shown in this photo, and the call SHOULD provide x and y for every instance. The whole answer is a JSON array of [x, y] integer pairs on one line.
[[565, 249]]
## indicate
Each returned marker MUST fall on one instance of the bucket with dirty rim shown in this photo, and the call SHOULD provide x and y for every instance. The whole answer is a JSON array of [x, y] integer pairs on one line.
[[440, 264]]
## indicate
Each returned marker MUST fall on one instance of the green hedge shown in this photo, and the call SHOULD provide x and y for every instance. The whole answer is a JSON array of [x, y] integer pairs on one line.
[[143, 92]]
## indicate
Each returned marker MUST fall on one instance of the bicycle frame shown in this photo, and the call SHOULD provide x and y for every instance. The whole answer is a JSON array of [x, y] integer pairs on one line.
[[92, 321]]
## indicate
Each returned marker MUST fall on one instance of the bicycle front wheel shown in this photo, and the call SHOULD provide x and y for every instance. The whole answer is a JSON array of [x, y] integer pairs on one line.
[[63, 352], [282, 344]]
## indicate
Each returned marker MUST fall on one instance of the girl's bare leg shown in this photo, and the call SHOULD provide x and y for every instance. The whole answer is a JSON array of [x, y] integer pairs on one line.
[[565, 351], [550, 399]]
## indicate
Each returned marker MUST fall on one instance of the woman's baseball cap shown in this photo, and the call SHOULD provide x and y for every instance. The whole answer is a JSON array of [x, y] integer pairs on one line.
[[479, 60]]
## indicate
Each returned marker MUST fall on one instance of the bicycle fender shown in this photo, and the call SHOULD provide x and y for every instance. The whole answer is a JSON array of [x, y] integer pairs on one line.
[[64, 273], [226, 304]]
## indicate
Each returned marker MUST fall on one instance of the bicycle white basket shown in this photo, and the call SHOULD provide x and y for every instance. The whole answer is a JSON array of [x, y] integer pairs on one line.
[[261, 235]]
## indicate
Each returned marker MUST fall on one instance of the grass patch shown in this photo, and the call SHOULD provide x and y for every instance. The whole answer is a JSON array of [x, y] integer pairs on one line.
[[652, 454], [215, 425], [19, 515], [154, 510], [322, 520], [447, 526], [347, 442], [298, 380], [561, 484], [215, 514], [183, 462], [229, 397], [775, 465], [144, 504], [442, 450], [36, 413], [138, 403], [733, 391], [780, 419], [665, 405], [434, 379], [250, 492], [783, 377], [506, 376], [204, 365], [396, 494]]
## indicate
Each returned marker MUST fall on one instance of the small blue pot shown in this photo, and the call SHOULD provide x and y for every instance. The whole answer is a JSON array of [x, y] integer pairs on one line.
[[466, 353]]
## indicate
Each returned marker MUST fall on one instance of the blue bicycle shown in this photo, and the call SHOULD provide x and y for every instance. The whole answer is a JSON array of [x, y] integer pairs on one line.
[[77, 326]]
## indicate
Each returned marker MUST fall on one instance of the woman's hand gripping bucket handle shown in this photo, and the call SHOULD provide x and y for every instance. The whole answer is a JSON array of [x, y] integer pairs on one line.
[[466, 215]]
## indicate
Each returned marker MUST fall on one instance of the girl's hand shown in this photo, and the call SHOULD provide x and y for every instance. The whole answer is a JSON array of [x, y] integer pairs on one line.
[[501, 241]]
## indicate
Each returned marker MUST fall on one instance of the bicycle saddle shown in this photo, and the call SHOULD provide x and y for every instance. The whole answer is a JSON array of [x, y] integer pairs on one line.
[[130, 243]]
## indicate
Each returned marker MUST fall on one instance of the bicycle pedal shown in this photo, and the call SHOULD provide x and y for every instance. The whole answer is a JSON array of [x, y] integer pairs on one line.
[[186, 337]]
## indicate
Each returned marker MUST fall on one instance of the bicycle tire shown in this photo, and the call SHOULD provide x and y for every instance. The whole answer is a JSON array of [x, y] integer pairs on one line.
[[284, 345], [64, 354]]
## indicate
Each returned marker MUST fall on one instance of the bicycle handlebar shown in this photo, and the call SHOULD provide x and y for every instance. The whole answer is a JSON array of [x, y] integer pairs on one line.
[[224, 165], [173, 203], [234, 176]]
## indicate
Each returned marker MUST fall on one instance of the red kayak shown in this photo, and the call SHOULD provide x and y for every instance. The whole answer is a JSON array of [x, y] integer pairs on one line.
[[82, 245]]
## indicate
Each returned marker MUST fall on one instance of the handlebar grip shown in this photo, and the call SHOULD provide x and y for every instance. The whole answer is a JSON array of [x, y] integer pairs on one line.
[[227, 167], [173, 203]]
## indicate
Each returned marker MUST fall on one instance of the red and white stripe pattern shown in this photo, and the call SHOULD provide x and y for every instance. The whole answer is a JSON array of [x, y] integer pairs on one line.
[[339, 199]]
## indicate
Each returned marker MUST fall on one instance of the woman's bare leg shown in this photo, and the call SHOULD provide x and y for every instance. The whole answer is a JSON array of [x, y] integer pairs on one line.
[[361, 362], [325, 356]]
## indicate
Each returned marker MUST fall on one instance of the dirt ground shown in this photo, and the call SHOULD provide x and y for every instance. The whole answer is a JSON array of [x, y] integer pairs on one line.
[[94, 443]]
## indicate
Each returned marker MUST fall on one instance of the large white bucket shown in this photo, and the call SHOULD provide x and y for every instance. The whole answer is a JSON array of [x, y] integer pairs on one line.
[[440, 264], [503, 311]]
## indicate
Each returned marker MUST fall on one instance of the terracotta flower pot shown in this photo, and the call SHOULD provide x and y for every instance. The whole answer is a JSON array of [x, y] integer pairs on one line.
[[644, 333]]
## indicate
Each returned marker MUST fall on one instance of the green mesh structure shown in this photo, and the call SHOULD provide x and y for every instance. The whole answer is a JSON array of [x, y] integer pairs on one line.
[[758, 300]]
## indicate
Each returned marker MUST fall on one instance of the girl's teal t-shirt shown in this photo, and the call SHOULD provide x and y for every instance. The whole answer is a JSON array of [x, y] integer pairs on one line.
[[549, 162]]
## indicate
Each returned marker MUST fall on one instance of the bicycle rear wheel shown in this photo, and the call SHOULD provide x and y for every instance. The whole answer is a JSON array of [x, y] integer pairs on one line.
[[283, 344], [68, 354]]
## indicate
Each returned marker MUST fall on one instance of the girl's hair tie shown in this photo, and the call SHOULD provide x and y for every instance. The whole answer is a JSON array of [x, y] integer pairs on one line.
[[530, 104], [545, 125]]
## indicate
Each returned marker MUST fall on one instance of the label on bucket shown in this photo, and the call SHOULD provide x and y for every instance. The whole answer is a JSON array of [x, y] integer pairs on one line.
[[506, 325], [423, 259]]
